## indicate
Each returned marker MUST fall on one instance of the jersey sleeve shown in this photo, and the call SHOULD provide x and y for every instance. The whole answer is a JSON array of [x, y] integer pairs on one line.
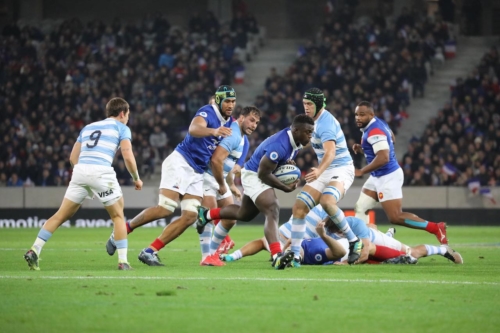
[[328, 130], [376, 135], [80, 136], [244, 153], [276, 153], [125, 133], [359, 227], [231, 142], [207, 115]]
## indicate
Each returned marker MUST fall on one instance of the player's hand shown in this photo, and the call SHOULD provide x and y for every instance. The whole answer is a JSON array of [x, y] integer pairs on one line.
[[292, 162], [357, 148], [138, 185], [223, 131], [313, 175], [222, 189], [236, 192], [292, 186], [237, 170], [320, 229], [358, 173]]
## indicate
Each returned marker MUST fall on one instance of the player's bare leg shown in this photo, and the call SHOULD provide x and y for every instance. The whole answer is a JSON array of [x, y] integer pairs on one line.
[[268, 204], [249, 249], [167, 202], [67, 209], [189, 205], [246, 212], [394, 211], [115, 212], [157, 212]]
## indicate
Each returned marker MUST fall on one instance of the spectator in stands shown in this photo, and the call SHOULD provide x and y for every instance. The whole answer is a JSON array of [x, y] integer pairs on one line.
[[14, 181], [158, 140]]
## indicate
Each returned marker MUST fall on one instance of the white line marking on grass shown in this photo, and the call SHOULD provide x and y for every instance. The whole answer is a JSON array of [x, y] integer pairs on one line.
[[247, 279], [94, 249]]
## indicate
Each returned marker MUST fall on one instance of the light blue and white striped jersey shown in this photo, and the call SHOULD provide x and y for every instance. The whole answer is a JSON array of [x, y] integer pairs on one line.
[[327, 128], [315, 215], [318, 214], [101, 140], [234, 145]]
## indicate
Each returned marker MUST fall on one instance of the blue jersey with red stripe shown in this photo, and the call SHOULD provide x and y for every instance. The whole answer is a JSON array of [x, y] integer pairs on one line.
[[378, 131]]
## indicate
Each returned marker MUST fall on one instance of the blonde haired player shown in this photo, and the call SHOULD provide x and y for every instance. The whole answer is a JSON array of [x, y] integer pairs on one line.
[[93, 176]]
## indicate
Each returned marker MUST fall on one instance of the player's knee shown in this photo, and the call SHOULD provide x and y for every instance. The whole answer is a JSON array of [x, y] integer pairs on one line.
[[364, 204], [330, 196], [190, 205], [304, 203], [189, 217], [272, 211], [167, 203]]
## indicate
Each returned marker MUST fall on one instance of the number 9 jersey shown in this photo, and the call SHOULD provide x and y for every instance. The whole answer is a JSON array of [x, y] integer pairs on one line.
[[101, 140]]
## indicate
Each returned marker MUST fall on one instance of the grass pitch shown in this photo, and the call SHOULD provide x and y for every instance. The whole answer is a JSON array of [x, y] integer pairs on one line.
[[79, 288]]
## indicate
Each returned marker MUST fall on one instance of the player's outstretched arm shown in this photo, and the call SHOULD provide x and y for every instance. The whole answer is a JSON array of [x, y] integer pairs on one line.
[[265, 173], [217, 166], [130, 163], [75, 153], [199, 129]]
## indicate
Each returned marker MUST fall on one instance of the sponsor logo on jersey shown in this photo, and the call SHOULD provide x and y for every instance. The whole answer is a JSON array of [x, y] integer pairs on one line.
[[380, 195], [203, 114], [274, 156], [318, 257]]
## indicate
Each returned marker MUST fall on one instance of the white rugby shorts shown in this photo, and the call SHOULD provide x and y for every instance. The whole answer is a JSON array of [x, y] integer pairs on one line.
[[90, 180], [388, 187], [252, 185], [211, 188], [343, 174], [178, 176]]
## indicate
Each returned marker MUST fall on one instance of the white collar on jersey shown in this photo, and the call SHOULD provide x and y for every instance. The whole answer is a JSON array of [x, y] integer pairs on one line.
[[292, 141], [363, 129], [217, 112]]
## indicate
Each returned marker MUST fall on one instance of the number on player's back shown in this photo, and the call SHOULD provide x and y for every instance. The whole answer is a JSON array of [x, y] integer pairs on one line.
[[95, 136]]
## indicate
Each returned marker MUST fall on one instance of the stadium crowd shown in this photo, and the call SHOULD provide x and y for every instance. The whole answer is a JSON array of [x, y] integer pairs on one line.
[[377, 62], [54, 82], [461, 145]]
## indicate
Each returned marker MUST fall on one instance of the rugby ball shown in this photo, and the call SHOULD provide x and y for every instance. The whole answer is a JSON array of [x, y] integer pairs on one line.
[[287, 173]]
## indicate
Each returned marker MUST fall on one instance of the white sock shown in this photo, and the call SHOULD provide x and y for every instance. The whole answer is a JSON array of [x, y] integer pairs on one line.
[[38, 245], [122, 255], [237, 255]]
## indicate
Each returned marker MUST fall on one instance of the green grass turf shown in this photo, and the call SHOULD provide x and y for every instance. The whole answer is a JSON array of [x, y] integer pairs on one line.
[[79, 288]]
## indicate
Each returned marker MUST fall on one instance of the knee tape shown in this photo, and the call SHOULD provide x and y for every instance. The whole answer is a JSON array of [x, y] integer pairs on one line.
[[364, 203], [167, 203], [333, 191], [307, 199], [191, 205]]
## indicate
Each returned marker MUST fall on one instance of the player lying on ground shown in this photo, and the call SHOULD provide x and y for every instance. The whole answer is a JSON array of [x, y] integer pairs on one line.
[[259, 183], [216, 189], [386, 176], [182, 174], [318, 248], [93, 176], [328, 183], [383, 246]]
